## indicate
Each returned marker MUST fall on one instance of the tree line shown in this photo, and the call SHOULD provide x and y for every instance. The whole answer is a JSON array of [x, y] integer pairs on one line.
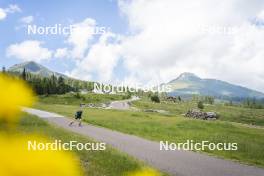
[[52, 84]]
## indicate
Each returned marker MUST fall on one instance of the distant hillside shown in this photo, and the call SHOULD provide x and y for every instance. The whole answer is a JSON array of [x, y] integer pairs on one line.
[[34, 68], [189, 83], [185, 84]]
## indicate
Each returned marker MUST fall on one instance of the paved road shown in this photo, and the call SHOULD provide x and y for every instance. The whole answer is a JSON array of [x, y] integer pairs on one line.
[[178, 163], [122, 105]]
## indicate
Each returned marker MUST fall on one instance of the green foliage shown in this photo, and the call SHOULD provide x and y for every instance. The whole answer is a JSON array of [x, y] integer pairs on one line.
[[208, 99], [179, 98], [252, 103], [155, 98], [200, 105], [53, 84], [24, 75], [195, 97], [77, 98], [3, 70], [230, 103], [45, 85], [77, 95], [127, 96]]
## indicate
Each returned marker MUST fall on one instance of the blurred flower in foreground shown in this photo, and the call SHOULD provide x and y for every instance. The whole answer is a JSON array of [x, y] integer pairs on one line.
[[14, 94], [16, 159], [144, 172]]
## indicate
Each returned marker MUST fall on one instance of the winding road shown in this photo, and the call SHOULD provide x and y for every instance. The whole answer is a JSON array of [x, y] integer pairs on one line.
[[123, 104]]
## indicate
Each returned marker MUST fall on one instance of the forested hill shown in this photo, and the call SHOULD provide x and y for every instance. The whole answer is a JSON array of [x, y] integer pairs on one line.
[[45, 81]]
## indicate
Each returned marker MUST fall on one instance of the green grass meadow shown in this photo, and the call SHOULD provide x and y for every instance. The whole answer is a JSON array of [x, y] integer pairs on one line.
[[175, 128], [75, 99], [227, 113]]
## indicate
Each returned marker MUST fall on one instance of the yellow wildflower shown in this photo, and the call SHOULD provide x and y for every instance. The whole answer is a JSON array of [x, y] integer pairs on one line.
[[144, 172], [16, 159], [14, 94]]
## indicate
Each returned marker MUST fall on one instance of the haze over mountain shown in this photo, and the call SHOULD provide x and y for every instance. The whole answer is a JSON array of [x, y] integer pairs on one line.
[[189, 84], [34, 68]]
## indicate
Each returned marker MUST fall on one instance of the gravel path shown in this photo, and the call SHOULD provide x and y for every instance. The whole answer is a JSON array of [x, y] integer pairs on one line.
[[178, 163]]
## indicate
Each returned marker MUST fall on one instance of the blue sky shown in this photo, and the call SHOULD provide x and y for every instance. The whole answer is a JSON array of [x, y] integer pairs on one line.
[[50, 12], [150, 42]]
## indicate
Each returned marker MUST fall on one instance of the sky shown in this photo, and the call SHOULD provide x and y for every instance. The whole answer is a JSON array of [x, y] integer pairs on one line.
[[140, 42]]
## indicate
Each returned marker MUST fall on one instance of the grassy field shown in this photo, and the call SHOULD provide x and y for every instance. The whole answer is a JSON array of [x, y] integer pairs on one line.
[[96, 163], [227, 113], [75, 99], [175, 128]]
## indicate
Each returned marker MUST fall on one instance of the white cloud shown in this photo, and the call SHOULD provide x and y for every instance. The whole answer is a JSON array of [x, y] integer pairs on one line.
[[29, 50], [12, 8], [2, 14], [79, 40], [261, 15], [61, 53], [167, 37], [100, 61], [27, 19], [80, 37]]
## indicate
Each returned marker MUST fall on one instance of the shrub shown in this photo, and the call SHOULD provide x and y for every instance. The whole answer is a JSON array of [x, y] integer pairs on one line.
[[200, 105], [79, 96], [155, 98]]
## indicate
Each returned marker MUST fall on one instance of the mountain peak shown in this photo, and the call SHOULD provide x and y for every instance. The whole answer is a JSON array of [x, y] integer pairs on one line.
[[189, 84], [30, 66], [186, 76], [34, 68], [30, 63]]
